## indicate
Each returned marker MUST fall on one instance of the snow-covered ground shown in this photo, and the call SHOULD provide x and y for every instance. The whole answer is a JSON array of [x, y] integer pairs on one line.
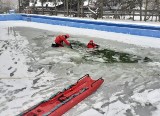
[[31, 71]]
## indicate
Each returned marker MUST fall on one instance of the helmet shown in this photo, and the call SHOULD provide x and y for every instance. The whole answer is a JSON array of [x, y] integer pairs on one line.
[[67, 35], [91, 41]]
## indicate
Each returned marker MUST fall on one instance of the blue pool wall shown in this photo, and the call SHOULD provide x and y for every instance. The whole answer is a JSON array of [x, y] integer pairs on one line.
[[133, 29]]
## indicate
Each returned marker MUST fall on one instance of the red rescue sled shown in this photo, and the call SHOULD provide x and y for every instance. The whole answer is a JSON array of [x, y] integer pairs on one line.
[[61, 102]]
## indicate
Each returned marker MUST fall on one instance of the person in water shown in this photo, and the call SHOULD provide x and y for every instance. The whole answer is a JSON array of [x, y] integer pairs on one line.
[[91, 44], [60, 39]]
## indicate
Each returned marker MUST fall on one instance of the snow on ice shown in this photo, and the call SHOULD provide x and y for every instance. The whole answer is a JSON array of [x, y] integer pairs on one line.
[[31, 71]]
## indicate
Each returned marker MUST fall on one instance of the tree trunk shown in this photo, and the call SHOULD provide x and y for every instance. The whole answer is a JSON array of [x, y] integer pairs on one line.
[[19, 6], [64, 3], [55, 7], [33, 7], [158, 8], [140, 5], [67, 8], [133, 14], [78, 8], [101, 9], [145, 17], [70, 7], [81, 8], [42, 7]]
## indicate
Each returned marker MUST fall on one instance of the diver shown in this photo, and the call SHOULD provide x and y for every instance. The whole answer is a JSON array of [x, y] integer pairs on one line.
[[91, 44], [60, 39]]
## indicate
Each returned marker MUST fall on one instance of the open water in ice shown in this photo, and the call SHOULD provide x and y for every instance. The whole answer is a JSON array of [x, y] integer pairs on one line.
[[126, 70]]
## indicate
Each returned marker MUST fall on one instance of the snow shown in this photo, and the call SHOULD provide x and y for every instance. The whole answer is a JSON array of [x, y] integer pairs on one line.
[[127, 87], [132, 39], [91, 112], [117, 21], [117, 108], [149, 97], [50, 4]]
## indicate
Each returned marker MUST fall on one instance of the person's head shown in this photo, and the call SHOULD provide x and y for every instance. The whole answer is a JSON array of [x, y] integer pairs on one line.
[[91, 41], [66, 36]]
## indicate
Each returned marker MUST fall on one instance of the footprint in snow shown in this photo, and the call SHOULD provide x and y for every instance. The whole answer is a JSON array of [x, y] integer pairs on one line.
[[12, 73]]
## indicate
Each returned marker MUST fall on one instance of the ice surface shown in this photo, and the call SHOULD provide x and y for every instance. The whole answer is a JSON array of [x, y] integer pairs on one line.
[[31, 71], [91, 112]]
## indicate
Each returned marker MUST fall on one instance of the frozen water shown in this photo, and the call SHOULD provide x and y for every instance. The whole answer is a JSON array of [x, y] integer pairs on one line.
[[31, 71]]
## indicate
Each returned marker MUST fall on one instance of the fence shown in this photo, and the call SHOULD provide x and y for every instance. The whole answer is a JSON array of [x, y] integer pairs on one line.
[[142, 15]]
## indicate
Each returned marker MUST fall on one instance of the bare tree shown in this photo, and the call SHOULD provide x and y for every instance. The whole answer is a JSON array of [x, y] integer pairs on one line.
[[55, 7], [33, 7], [78, 8], [94, 7], [116, 8], [22, 4], [67, 7], [146, 7], [42, 5], [81, 7], [158, 8], [5, 6]]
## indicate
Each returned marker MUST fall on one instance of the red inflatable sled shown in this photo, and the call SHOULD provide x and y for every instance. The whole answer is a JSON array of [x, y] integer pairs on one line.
[[61, 102]]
